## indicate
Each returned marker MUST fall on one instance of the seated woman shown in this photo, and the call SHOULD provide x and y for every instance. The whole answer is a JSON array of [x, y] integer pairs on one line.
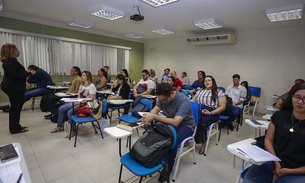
[[101, 80], [127, 78], [86, 90], [184, 79], [171, 81], [122, 91], [284, 138], [213, 102]]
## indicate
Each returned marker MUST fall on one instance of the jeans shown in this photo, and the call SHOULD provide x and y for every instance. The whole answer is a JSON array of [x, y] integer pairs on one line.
[[182, 133], [234, 115], [66, 110], [34, 92], [263, 173]]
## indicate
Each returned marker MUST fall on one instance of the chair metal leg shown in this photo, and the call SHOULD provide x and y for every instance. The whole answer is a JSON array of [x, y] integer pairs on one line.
[[33, 103], [120, 176], [140, 179], [76, 133], [99, 127]]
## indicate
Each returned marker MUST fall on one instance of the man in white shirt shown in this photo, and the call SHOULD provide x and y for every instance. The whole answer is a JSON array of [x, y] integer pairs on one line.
[[144, 87], [238, 94]]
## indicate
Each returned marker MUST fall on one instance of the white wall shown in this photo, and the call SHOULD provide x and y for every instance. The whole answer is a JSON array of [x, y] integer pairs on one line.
[[270, 59]]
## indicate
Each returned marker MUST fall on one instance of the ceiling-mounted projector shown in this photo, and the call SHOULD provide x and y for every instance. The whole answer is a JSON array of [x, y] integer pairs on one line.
[[137, 15]]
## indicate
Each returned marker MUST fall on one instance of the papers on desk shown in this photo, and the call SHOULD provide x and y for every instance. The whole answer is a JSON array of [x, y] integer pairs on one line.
[[160, 114], [10, 171], [60, 94], [258, 123], [256, 154]]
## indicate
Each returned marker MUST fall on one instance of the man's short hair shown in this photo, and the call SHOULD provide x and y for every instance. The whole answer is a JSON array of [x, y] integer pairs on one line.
[[167, 69], [106, 66], [145, 71], [33, 67], [236, 76], [164, 89]]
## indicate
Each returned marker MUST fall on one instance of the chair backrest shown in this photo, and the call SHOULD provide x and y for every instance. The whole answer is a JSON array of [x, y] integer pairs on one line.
[[255, 94], [146, 102], [188, 86], [105, 106], [195, 109], [222, 89]]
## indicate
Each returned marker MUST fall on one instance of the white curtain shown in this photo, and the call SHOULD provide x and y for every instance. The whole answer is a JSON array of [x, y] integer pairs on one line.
[[58, 56]]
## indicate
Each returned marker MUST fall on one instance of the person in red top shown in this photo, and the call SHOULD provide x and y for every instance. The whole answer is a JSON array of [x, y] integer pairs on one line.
[[177, 82]]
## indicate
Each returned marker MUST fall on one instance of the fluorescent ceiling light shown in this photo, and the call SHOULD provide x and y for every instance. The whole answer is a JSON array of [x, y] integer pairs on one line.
[[157, 3], [81, 23], [108, 13], [285, 13], [134, 35], [163, 31], [206, 24]]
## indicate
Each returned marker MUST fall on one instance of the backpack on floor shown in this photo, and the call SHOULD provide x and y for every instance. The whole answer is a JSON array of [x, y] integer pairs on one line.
[[44, 102], [152, 146]]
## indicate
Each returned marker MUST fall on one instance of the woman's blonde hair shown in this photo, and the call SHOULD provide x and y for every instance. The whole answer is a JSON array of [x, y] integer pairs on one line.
[[8, 51]]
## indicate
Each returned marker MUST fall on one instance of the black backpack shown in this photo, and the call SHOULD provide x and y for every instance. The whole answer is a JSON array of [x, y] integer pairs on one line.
[[229, 106], [44, 102], [152, 146]]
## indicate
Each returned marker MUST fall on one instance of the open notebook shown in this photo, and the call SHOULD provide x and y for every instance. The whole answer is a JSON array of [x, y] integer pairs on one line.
[[256, 154]]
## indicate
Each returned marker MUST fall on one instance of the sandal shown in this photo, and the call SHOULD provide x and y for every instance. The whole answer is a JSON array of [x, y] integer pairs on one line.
[[202, 149], [57, 129], [72, 135]]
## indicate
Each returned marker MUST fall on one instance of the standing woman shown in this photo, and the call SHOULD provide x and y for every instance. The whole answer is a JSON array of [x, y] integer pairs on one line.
[[285, 138], [213, 102], [13, 85]]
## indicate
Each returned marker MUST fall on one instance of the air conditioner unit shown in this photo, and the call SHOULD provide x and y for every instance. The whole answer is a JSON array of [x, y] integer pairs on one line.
[[225, 38]]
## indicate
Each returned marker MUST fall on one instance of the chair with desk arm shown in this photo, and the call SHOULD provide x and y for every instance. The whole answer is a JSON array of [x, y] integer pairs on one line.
[[102, 113], [138, 169]]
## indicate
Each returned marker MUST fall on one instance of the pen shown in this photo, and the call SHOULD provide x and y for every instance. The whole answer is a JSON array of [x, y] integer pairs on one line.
[[19, 179]]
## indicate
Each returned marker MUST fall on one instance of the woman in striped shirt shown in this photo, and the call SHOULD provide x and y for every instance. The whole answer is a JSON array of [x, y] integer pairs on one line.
[[213, 102]]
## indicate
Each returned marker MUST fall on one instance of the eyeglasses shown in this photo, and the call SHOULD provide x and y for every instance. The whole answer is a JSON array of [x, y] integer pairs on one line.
[[164, 99], [297, 98]]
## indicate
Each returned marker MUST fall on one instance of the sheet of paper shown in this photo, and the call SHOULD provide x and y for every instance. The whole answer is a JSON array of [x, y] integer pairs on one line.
[[257, 154]]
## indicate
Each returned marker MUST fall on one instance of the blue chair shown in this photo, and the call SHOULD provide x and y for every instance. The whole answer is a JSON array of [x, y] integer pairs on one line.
[[254, 99], [132, 119], [181, 152], [222, 89], [188, 87], [86, 119], [138, 169]]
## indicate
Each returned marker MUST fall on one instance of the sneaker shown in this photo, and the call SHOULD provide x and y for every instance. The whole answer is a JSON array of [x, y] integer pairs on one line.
[[231, 127], [163, 176]]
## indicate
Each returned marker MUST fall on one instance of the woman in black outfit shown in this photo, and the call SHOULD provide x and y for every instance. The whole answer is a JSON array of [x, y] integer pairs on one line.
[[13, 85]]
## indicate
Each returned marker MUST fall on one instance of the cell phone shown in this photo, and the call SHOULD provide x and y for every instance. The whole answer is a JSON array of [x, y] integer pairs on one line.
[[8, 153]]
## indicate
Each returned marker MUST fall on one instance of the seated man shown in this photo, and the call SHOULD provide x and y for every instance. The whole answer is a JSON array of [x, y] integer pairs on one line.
[[39, 77], [165, 75], [198, 84], [177, 81], [238, 94], [179, 114], [76, 82], [144, 87]]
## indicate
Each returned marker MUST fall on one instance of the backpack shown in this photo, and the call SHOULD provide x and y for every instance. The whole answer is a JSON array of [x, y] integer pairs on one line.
[[152, 146], [229, 105], [44, 102], [139, 108]]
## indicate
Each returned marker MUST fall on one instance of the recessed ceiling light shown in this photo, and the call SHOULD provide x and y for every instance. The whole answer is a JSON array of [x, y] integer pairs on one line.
[[108, 13], [134, 35], [206, 24], [81, 23], [157, 3], [285, 13], [163, 31]]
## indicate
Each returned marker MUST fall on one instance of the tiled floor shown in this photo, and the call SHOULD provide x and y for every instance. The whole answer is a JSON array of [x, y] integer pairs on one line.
[[51, 158]]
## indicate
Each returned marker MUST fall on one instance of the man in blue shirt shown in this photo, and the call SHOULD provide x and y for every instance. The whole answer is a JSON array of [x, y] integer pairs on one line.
[[39, 77], [198, 84]]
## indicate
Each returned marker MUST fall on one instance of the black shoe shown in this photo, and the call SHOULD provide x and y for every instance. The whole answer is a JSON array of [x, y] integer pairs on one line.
[[6, 110], [21, 131], [163, 176]]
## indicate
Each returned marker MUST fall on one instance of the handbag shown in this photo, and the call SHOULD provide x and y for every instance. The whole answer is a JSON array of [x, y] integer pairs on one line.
[[84, 109]]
